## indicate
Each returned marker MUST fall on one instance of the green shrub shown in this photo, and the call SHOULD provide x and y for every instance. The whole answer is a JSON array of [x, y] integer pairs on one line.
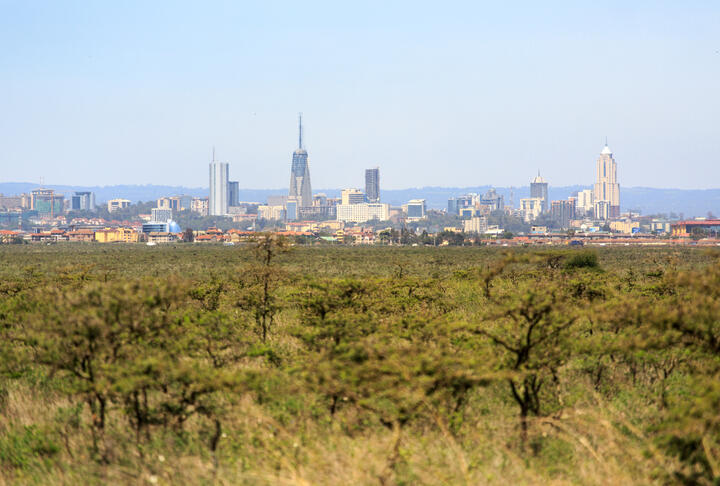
[[582, 259]]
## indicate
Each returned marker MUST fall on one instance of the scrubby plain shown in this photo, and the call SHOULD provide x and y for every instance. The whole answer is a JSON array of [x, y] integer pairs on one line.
[[269, 363]]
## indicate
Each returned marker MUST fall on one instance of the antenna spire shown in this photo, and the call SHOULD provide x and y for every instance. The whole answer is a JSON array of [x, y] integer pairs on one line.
[[300, 130], [213, 153], [606, 140]]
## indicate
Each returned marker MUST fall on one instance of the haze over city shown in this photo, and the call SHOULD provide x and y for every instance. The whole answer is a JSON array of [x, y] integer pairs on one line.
[[457, 94]]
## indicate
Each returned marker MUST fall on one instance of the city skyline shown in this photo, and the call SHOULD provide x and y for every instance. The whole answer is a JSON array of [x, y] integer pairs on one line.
[[435, 96]]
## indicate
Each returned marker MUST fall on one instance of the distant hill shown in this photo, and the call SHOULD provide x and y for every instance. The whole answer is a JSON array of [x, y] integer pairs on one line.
[[646, 200]]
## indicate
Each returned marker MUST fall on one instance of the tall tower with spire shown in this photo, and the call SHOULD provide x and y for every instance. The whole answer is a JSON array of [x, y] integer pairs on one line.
[[607, 190], [300, 188]]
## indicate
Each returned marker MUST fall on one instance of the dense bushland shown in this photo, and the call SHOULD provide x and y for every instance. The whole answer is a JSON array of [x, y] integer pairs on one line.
[[270, 364]]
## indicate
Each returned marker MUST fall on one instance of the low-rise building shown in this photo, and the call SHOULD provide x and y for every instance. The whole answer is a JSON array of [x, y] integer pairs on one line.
[[244, 218], [625, 226], [161, 227], [237, 236], [660, 226], [200, 205], [415, 209], [477, 224], [52, 236], [171, 203], [352, 196], [86, 235], [361, 213], [112, 235], [271, 212], [116, 204], [696, 226], [7, 236], [161, 237], [359, 236], [301, 226]]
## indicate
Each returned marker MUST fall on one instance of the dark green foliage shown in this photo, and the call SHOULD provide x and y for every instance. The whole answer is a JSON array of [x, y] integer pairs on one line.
[[582, 259]]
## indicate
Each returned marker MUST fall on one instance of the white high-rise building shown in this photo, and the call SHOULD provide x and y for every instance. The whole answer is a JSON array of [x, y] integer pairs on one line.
[[218, 201], [607, 188]]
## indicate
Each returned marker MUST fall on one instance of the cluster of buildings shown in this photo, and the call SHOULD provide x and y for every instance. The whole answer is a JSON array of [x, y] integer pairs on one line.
[[354, 213], [47, 203], [300, 204], [589, 209], [600, 203]]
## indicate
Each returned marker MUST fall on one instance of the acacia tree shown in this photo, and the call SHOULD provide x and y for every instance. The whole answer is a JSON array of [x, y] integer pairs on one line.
[[259, 282], [382, 348], [527, 319], [396, 377], [95, 334], [333, 313], [690, 319]]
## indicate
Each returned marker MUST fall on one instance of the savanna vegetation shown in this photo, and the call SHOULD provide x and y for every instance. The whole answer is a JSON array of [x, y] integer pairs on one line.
[[271, 364]]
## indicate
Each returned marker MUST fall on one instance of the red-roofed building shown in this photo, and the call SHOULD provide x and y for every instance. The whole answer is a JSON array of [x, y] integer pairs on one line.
[[7, 236], [49, 236]]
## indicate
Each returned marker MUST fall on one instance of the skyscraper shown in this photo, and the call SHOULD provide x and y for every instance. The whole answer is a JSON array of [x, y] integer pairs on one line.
[[539, 188], [300, 173], [607, 189], [218, 202], [372, 184], [233, 193]]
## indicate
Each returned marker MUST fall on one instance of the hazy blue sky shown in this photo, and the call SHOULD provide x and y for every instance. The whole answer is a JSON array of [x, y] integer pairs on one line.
[[435, 93]]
